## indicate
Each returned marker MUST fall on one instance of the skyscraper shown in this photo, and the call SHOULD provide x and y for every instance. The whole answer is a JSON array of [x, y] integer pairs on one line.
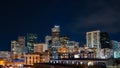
[[21, 40], [55, 41], [21, 43], [97, 39], [93, 39], [15, 49], [31, 39], [55, 34]]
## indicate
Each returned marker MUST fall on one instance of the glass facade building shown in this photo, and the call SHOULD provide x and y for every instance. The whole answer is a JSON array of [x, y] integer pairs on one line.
[[31, 39], [105, 40]]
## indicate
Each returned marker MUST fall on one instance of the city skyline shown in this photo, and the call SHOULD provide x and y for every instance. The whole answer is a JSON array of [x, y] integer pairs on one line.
[[74, 17], [38, 41]]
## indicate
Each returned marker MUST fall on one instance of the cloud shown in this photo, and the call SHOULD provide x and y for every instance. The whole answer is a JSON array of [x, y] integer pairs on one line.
[[106, 18]]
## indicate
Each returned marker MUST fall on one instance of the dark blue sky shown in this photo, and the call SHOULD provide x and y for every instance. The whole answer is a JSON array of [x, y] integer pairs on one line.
[[75, 17]]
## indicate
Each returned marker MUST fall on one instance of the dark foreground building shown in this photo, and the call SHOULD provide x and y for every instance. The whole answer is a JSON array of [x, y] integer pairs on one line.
[[47, 65], [105, 40]]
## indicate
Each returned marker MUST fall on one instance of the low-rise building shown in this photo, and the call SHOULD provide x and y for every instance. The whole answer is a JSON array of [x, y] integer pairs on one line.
[[45, 57], [32, 58], [40, 48]]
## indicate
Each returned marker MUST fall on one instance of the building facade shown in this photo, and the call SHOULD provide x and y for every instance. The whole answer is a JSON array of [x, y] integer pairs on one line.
[[55, 41], [5, 55], [93, 39], [97, 39], [15, 48], [21, 40], [40, 48], [21, 43], [105, 40], [64, 39], [55, 34], [31, 40], [32, 58], [116, 49], [48, 40]]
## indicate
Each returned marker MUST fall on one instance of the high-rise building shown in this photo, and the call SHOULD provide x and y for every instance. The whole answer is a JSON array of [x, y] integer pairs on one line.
[[40, 48], [55, 41], [31, 40], [93, 39], [97, 39], [21, 42], [55, 34], [18, 47], [105, 40], [48, 40], [13, 45], [15, 49]]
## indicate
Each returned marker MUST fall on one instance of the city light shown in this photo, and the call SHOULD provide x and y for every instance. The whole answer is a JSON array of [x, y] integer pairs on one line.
[[59, 49]]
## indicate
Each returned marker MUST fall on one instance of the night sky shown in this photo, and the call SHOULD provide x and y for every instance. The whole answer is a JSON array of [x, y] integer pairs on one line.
[[75, 17]]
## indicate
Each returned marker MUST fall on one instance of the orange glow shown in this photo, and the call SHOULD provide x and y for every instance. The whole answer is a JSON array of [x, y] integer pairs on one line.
[[2, 62]]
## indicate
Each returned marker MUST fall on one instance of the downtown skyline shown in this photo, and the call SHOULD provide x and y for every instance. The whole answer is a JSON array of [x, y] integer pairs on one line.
[[74, 17]]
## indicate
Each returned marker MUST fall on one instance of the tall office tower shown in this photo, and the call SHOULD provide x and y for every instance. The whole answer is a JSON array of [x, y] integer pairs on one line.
[[21, 42], [93, 39], [15, 48], [55, 41], [97, 39], [55, 34], [31, 39]]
